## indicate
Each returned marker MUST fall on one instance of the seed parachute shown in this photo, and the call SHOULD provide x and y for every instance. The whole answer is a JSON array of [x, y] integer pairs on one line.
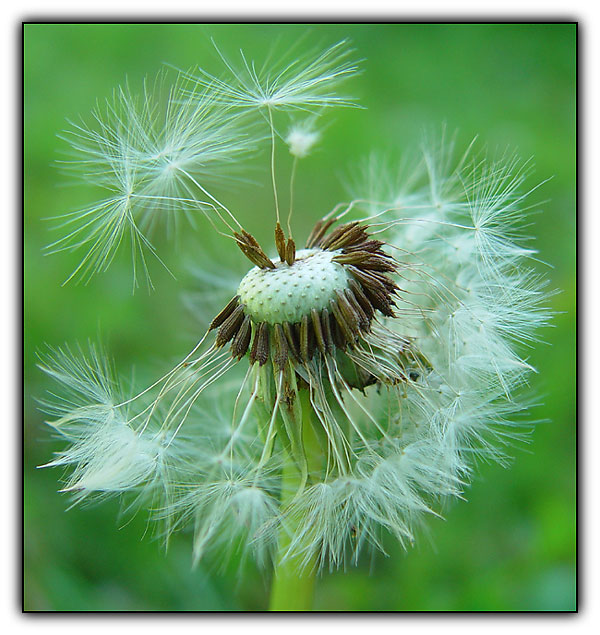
[[347, 388]]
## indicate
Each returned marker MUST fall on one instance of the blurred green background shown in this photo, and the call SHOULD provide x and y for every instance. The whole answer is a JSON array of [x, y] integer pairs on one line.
[[512, 546]]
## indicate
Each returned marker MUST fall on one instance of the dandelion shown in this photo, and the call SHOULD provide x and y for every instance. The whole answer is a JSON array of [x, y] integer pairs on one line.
[[346, 388]]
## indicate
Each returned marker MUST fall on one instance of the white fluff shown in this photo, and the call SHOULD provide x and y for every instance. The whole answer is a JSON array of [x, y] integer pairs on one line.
[[201, 440]]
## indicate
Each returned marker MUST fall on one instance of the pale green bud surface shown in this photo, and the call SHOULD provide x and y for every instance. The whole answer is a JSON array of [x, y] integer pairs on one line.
[[288, 292]]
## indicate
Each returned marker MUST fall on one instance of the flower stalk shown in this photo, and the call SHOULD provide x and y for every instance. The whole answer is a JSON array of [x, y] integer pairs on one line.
[[294, 573]]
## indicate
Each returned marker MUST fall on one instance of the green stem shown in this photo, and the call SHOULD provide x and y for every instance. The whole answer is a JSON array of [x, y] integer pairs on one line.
[[294, 577], [292, 588]]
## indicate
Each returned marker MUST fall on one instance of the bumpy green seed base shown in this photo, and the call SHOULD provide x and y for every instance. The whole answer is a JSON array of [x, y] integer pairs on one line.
[[287, 293]]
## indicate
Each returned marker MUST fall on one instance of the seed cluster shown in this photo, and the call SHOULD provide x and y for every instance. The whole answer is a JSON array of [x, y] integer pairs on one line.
[[324, 297]]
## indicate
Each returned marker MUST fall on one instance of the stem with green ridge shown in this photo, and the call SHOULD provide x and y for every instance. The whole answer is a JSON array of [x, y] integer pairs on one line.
[[294, 576]]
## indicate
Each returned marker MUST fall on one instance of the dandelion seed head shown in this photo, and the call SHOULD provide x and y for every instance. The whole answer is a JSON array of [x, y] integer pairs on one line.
[[375, 363]]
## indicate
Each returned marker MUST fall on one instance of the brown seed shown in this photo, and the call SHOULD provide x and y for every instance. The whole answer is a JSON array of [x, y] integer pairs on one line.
[[366, 260], [372, 246], [362, 299], [347, 330], [326, 327], [338, 234], [280, 355], [364, 322], [336, 332], [241, 341], [252, 250], [312, 342], [290, 251], [250, 240], [354, 236], [380, 300], [292, 339], [378, 263], [351, 317], [319, 230], [296, 328], [280, 241], [374, 281], [304, 326], [353, 257], [230, 327], [318, 331], [307, 339], [225, 313], [260, 346], [384, 280]]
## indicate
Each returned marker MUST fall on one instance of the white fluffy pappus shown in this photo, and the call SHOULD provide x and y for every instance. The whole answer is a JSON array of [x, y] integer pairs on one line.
[[154, 155], [108, 455], [301, 138], [308, 438]]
